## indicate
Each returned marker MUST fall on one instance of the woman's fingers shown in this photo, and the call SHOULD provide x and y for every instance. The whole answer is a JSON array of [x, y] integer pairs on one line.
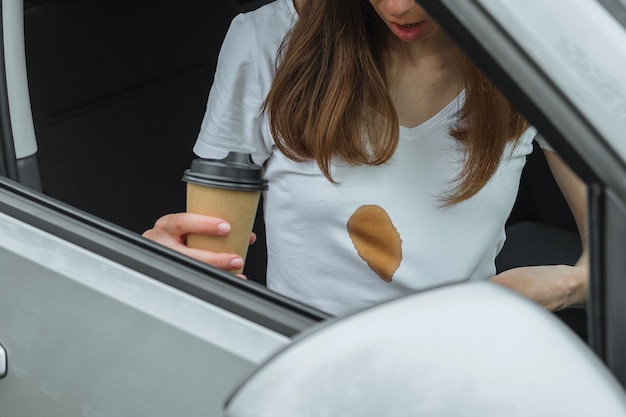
[[171, 230], [225, 261], [179, 224]]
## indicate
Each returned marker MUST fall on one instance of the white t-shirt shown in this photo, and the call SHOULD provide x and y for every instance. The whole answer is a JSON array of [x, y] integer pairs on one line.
[[380, 232]]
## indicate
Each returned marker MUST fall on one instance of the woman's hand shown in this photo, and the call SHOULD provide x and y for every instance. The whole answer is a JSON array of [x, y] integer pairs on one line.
[[555, 286], [171, 230]]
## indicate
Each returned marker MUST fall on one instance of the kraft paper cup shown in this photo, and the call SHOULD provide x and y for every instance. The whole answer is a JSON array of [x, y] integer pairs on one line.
[[228, 189]]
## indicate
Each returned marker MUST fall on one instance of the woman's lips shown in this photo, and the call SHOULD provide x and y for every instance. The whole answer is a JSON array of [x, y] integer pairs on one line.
[[407, 32]]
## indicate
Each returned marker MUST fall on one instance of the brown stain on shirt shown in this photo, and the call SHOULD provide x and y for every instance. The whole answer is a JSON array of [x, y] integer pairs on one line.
[[376, 240]]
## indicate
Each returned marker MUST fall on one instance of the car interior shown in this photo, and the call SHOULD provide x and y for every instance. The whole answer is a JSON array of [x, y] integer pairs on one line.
[[118, 90]]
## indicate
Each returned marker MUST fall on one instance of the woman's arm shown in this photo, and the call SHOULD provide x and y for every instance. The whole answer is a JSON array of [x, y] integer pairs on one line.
[[573, 189], [575, 192], [557, 286]]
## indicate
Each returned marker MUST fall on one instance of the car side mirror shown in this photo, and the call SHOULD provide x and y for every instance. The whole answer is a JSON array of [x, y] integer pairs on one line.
[[466, 349]]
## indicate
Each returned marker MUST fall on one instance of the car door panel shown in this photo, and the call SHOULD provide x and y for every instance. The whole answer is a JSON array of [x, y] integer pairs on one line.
[[87, 334]]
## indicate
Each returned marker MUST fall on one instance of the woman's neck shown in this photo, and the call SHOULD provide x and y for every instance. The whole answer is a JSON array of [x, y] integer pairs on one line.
[[423, 78]]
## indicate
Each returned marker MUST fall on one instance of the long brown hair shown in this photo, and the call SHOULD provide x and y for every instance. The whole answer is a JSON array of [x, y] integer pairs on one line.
[[329, 98]]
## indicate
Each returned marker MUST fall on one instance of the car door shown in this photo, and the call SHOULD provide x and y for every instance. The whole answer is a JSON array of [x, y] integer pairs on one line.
[[96, 321]]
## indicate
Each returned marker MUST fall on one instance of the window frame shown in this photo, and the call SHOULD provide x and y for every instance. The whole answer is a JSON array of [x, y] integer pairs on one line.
[[594, 157]]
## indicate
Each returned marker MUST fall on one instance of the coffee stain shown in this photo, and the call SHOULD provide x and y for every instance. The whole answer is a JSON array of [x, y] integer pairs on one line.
[[376, 240]]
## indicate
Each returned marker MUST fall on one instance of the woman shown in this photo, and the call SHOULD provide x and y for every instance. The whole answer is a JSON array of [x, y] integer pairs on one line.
[[393, 163]]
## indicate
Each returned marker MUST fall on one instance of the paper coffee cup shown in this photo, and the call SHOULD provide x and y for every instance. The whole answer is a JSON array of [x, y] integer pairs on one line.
[[228, 189]]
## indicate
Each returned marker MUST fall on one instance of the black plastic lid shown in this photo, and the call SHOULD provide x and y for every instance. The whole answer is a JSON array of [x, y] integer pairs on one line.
[[235, 172]]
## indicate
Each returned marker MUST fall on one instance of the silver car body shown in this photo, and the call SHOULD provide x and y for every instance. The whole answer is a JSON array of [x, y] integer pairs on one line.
[[96, 321]]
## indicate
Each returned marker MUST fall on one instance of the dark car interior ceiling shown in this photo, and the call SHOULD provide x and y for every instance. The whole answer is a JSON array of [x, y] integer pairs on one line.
[[118, 90]]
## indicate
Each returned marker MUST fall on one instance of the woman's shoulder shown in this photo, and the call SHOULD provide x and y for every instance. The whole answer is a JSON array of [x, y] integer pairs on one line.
[[257, 33], [265, 25]]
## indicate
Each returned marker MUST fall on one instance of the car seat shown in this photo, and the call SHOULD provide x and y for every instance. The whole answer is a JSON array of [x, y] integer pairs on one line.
[[247, 5], [118, 90]]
